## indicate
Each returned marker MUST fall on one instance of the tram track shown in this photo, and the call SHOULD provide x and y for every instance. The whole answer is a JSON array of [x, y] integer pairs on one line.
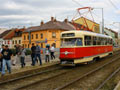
[[7, 85], [86, 75], [108, 78], [48, 75], [51, 83]]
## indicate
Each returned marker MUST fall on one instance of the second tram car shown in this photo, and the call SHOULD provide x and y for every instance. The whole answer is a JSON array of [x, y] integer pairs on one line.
[[83, 46]]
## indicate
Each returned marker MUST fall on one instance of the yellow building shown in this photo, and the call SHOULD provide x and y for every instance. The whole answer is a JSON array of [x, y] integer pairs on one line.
[[48, 33], [92, 25]]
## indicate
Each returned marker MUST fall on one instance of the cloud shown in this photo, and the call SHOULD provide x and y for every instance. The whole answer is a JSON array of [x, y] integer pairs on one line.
[[24, 12]]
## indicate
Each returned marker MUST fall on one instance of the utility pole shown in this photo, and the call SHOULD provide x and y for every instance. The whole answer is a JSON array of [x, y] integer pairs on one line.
[[102, 21]]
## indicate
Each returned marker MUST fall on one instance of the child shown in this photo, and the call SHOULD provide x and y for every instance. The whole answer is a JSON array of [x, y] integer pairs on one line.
[[47, 53]]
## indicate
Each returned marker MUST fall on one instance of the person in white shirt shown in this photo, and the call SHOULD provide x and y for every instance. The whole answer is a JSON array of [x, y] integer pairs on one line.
[[52, 50]]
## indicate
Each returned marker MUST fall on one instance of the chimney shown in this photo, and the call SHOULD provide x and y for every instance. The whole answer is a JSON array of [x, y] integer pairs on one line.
[[55, 20], [52, 18], [66, 20], [42, 23], [24, 27]]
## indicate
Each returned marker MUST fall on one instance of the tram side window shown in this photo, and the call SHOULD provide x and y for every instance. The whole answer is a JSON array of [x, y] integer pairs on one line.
[[105, 41], [102, 41], [111, 41], [88, 40], [79, 42], [99, 41], [94, 40], [108, 41]]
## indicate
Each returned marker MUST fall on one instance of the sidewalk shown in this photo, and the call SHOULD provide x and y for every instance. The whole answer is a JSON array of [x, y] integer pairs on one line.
[[28, 62], [17, 68]]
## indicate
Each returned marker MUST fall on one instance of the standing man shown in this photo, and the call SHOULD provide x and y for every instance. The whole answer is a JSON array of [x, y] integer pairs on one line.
[[7, 53], [33, 48], [52, 50], [38, 53]]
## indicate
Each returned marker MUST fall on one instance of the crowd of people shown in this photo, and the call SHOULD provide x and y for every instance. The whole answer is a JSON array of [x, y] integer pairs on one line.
[[20, 53]]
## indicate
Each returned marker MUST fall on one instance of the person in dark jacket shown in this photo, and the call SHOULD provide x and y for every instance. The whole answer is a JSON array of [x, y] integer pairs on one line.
[[6, 53], [33, 48], [38, 53]]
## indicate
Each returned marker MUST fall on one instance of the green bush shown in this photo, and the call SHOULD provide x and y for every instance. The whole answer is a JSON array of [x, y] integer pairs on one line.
[[13, 52], [28, 52]]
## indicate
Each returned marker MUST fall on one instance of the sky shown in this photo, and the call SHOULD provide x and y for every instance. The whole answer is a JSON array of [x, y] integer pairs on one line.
[[19, 13]]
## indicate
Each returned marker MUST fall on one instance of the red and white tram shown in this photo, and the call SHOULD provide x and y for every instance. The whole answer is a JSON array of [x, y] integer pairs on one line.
[[83, 46]]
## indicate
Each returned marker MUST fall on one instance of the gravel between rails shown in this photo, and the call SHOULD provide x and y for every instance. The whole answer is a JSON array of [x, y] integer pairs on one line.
[[30, 79], [93, 80], [67, 77]]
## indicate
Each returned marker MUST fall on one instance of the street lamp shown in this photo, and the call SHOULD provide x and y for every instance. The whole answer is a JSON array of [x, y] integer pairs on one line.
[[102, 19]]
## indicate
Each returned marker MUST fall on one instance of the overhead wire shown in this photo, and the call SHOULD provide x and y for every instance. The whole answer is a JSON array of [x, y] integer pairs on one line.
[[113, 5], [96, 14]]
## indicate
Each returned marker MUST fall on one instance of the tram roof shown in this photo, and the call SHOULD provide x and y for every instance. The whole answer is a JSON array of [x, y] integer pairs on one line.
[[87, 33]]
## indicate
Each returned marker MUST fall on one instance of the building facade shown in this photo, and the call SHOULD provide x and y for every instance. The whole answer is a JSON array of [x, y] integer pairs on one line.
[[2, 35], [17, 38], [113, 34], [93, 26], [48, 33]]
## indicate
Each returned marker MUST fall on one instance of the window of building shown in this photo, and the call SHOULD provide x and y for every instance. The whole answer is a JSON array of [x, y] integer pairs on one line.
[[36, 36], [13, 41], [41, 35], [25, 46], [41, 45], [32, 36], [19, 41], [28, 37], [53, 35], [88, 40], [24, 37], [28, 45]]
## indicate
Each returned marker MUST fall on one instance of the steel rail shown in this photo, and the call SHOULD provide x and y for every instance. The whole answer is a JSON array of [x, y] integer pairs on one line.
[[29, 75], [25, 86], [40, 81], [75, 80], [103, 83]]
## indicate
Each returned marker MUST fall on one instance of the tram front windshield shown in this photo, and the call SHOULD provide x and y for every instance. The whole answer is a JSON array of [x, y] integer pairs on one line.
[[71, 42]]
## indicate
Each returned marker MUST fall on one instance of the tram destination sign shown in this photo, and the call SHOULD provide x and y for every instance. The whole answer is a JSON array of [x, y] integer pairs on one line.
[[68, 34]]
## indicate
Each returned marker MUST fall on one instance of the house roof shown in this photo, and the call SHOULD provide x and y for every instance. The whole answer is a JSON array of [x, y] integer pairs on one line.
[[4, 33], [52, 25], [10, 34]]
